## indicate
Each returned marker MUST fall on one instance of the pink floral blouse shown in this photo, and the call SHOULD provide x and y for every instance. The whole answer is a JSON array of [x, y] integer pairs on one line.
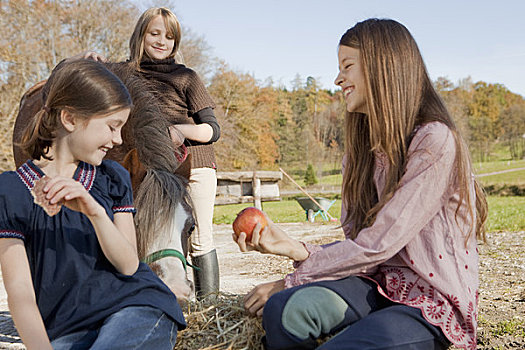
[[415, 250]]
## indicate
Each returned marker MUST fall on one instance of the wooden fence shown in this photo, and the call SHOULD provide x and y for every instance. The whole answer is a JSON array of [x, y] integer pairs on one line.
[[248, 186]]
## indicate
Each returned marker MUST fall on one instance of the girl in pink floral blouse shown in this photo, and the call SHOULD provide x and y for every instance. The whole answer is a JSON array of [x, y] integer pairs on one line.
[[406, 277]]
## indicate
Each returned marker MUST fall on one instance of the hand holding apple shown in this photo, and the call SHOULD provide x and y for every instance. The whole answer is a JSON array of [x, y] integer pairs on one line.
[[266, 237], [246, 221]]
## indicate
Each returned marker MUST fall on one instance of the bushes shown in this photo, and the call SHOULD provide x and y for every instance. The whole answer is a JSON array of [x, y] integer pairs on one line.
[[504, 190], [309, 177]]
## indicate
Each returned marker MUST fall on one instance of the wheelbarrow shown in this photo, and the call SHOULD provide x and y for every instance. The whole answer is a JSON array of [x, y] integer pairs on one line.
[[312, 209]]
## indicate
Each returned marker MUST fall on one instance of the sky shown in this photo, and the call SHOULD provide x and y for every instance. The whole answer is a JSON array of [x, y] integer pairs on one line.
[[280, 39]]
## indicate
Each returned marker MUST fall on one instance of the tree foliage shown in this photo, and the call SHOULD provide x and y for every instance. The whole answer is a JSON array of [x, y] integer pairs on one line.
[[309, 176], [262, 126], [38, 34], [486, 114]]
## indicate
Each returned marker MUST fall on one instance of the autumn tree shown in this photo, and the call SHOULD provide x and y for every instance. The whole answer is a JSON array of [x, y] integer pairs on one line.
[[513, 124], [485, 114], [38, 34], [285, 128], [456, 99], [247, 115], [196, 53]]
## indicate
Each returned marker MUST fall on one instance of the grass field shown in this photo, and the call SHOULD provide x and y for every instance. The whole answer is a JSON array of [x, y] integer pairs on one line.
[[491, 167], [505, 213], [516, 178], [510, 178]]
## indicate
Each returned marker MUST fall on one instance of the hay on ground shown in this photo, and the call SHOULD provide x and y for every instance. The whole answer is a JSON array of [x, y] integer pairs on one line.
[[220, 322]]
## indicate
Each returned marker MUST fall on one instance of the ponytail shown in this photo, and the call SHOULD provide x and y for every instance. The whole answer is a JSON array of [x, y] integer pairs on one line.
[[39, 134]]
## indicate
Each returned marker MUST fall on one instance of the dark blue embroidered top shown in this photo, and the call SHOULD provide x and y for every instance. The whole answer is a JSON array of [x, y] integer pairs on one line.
[[76, 286]]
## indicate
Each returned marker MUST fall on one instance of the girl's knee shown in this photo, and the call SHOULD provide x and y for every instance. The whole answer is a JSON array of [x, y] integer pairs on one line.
[[313, 311]]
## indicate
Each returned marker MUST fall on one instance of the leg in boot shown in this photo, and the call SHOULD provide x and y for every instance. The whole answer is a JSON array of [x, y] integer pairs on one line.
[[206, 279], [203, 184]]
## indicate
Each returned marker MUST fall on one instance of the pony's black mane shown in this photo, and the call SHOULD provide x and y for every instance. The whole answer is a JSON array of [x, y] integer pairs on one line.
[[147, 131]]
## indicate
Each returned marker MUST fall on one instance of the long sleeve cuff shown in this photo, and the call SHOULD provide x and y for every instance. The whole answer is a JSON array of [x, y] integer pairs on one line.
[[291, 280]]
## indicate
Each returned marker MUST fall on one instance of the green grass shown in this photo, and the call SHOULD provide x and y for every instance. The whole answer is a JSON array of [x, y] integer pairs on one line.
[[335, 180], [329, 180], [512, 327], [511, 178], [282, 211], [490, 167], [516, 178], [505, 213]]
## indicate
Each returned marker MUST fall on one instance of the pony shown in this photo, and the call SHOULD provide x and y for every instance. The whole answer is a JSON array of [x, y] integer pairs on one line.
[[159, 174]]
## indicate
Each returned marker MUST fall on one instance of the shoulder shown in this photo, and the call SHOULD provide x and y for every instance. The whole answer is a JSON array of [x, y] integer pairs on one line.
[[11, 183], [7, 176], [16, 201], [182, 69], [114, 170], [114, 180], [434, 138], [191, 76]]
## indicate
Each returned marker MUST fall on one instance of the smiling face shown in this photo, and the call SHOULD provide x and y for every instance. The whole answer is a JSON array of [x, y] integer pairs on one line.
[[90, 140], [158, 42], [351, 79]]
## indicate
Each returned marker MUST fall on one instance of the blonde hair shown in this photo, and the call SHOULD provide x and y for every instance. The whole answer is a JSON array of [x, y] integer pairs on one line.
[[82, 87], [400, 96], [136, 42]]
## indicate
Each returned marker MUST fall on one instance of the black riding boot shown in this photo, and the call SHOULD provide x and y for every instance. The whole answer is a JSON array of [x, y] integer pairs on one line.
[[206, 279]]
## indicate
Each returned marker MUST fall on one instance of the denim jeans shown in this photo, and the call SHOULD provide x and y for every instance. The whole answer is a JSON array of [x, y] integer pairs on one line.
[[133, 327], [350, 309]]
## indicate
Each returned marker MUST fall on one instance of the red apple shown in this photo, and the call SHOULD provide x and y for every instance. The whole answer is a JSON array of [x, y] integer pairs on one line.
[[246, 221]]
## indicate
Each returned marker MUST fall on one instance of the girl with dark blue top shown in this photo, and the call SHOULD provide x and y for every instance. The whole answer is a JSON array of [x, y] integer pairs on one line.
[[74, 279]]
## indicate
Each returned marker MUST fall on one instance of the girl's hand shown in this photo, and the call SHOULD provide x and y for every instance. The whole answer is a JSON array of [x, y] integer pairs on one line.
[[176, 135], [271, 240], [255, 300], [195, 132], [73, 195]]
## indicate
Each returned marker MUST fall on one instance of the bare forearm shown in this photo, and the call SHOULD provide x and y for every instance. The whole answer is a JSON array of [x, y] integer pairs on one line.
[[196, 132], [21, 298], [28, 322], [298, 252], [116, 247]]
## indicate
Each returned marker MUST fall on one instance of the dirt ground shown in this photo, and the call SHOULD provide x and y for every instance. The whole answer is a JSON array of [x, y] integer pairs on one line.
[[502, 279], [502, 289]]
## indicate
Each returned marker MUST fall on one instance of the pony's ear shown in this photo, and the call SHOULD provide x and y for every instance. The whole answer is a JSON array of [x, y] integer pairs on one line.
[[184, 168], [136, 169]]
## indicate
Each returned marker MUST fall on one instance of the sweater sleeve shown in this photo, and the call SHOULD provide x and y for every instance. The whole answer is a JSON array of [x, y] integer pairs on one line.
[[206, 116], [15, 207], [197, 97], [423, 189]]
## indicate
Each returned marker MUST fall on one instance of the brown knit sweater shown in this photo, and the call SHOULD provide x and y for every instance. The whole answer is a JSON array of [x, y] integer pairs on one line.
[[181, 93]]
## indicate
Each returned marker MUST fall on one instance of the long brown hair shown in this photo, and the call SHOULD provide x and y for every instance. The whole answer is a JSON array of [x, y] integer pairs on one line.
[[82, 87], [136, 42], [400, 96]]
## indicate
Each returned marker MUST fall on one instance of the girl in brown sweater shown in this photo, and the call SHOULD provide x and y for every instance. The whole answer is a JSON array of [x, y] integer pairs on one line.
[[189, 109]]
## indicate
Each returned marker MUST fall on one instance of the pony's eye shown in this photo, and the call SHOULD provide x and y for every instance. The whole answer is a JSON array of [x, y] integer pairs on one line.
[[192, 228]]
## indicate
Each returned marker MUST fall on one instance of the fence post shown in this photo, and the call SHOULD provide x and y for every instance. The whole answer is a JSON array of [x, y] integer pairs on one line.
[[256, 187]]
